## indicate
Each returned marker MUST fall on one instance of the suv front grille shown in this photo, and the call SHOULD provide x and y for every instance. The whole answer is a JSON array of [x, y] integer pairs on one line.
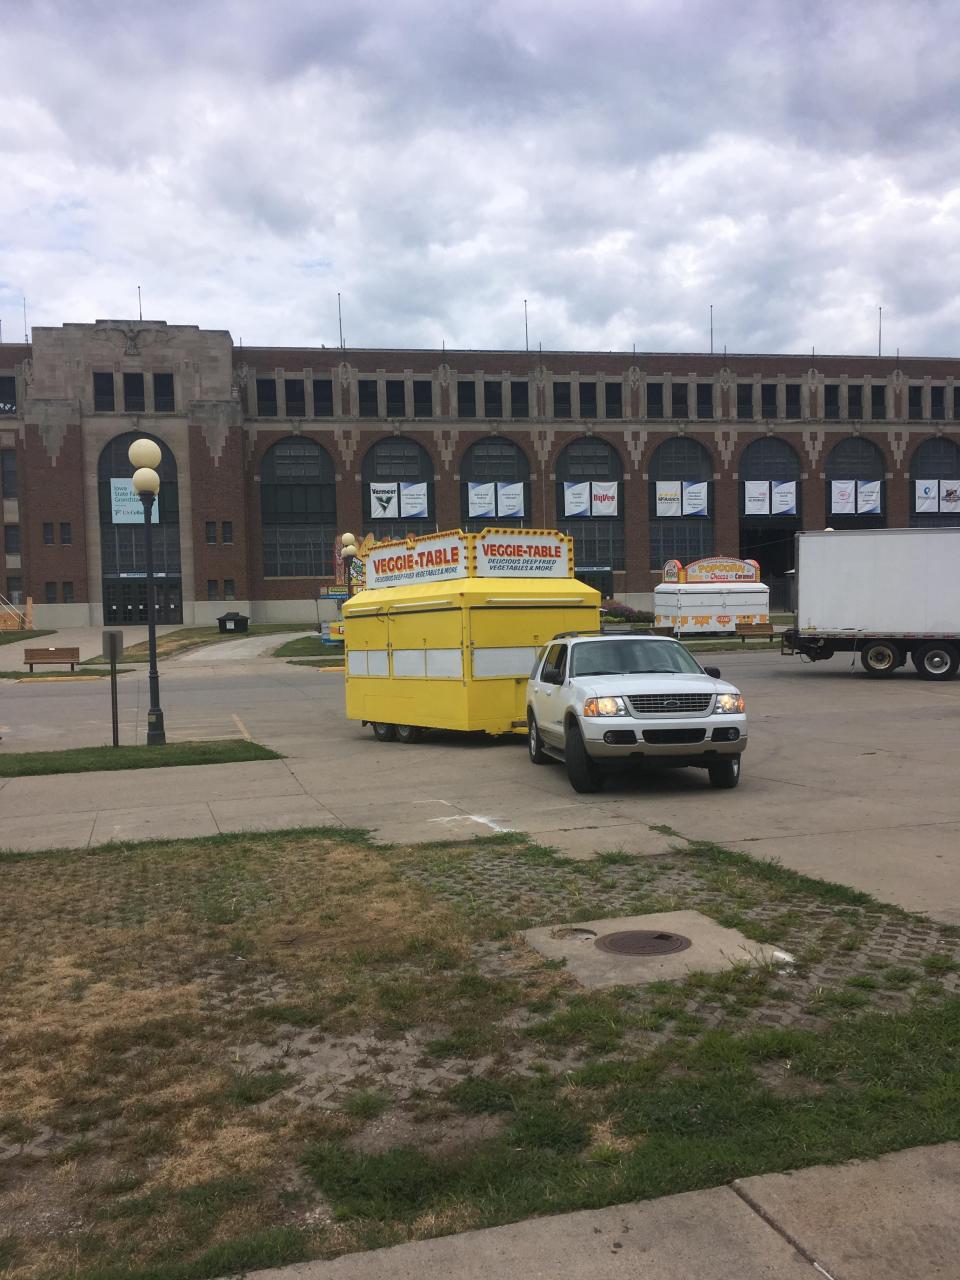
[[663, 737], [665, 704]]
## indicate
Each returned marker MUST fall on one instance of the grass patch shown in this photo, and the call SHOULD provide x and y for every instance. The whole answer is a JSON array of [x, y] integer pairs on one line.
[[27, 764], [16, 637], [766, 644], [213, 1027], [309, 647], [323, 664], [172, 643]]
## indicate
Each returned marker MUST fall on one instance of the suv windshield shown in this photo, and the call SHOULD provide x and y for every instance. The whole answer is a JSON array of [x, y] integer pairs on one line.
[[632, 657]]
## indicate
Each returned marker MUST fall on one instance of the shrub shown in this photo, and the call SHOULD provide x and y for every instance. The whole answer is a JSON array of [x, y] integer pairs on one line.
[[615, 611]]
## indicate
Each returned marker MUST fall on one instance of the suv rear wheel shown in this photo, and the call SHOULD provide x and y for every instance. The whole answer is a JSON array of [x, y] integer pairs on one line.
[[725, 774], [583, 772], [535, 742]]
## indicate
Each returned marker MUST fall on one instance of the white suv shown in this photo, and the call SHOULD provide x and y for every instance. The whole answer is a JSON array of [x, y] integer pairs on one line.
[[633, 698]]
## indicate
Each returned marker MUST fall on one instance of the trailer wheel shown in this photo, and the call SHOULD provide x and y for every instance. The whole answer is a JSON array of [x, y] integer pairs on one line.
[[384, 732], [880, 658], [583, 772], [408, 733], [936, 660]]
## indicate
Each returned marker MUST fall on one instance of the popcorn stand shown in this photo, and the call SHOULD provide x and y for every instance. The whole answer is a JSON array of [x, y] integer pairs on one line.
[[447, 626], [717, 595]]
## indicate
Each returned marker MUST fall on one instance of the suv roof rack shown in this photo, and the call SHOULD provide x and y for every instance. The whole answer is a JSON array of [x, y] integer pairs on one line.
[[564, 635]]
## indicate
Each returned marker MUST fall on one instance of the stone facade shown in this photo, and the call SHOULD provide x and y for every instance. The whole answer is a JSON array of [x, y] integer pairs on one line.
[[222, 422]]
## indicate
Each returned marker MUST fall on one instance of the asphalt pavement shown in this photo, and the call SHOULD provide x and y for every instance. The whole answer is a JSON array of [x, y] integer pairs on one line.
[[845, 778]]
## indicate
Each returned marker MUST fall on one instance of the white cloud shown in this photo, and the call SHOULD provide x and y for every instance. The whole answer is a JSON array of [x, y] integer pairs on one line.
[[621, 165]]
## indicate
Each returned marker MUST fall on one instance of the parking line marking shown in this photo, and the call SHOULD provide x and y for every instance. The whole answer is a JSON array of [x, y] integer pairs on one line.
[[242, 727]]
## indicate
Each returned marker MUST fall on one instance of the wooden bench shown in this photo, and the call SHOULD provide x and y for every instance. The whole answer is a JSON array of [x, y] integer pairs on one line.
[[51, 657], [745, 629]]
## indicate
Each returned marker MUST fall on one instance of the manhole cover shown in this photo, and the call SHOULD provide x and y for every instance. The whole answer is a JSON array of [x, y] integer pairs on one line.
[[643, 942]]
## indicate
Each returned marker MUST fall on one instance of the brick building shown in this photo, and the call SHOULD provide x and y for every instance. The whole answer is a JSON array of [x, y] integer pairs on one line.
[[269, 452]]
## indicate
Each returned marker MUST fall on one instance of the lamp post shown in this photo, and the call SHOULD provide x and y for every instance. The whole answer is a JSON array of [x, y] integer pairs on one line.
[[348, 549], [145, 456]]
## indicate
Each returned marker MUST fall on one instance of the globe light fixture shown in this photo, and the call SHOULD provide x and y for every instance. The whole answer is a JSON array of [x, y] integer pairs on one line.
[[145, 453], [146, 480]]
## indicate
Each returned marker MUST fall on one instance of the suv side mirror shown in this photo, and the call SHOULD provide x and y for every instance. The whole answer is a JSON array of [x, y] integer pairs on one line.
[[713, 671]]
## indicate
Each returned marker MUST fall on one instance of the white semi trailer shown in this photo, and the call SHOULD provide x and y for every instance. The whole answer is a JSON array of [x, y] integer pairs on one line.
[[885, 594]]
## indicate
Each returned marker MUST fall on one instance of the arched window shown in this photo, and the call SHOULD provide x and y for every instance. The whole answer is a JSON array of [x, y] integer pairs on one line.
[[121, 528], [770, 511], [123, 537], [298, 506], [398, 498], [590, 479], [769, 458], [770, 482], [934, 479], [855, 496], [494, 484], [681, 502]]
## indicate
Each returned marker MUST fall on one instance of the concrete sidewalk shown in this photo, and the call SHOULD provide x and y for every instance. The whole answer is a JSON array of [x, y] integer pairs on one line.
[[884, 1219], [89, 640]]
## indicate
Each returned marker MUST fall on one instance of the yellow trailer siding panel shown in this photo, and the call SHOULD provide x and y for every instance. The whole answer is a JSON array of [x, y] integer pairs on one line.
[[458, 652]]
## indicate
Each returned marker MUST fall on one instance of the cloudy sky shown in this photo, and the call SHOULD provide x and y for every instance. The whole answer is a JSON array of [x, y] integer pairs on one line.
[[620, 165]]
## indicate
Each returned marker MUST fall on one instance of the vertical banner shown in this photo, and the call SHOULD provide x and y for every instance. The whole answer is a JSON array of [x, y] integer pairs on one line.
[[510, 500], [383, 501], [481, 500], [576, 498], [843, 497], [927, 495], [950, 495], [125, 504], [868, 497], [695, 497], [604, 497], [668, 498], [784, 498], [756, 497], [413, 500]]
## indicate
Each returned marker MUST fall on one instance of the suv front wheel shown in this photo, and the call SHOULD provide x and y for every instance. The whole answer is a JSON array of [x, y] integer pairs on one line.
[[583, 772], [725, 774]]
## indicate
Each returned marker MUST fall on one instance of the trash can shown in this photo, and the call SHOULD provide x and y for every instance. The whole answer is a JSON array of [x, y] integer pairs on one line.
[[232, 622]]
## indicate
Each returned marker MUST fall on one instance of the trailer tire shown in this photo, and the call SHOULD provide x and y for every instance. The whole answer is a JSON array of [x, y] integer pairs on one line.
[[384, 732], [880, 658], [535, 742], [936, 660], [583, 772], [408, 733]]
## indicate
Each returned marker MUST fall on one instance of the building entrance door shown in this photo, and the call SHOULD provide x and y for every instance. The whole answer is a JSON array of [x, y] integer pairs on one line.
[[597, 576], [125, 601]]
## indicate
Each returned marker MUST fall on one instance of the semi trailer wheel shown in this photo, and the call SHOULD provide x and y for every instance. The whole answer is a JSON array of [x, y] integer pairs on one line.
[[880, 658], [936, 660]]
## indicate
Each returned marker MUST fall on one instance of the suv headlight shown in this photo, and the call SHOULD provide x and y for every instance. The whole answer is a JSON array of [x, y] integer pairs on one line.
[[729, 704], [604, 707]]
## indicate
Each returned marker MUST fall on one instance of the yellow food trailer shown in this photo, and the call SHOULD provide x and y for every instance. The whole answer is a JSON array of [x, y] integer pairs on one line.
[[445, 632]]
